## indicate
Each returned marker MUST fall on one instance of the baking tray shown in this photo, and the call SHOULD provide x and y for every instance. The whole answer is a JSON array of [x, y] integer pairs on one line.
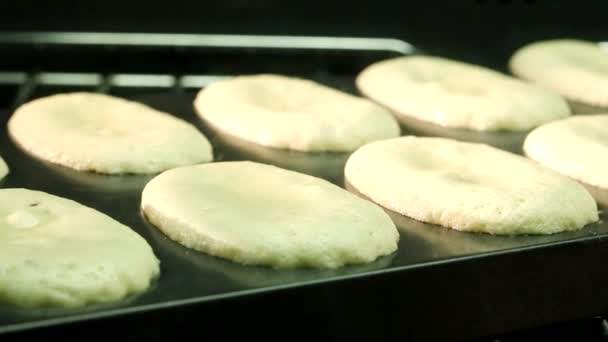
[[476, 284]]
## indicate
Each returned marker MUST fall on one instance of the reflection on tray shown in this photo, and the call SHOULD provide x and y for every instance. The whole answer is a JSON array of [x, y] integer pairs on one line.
[[256, 276], [90, 181], [441, 242], [582, 108], [509, 141], [327, 165], [45, 173], [447, 241], [97, 182]]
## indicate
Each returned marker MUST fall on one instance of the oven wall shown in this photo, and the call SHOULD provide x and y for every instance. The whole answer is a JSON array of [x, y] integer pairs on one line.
[[481, 31]]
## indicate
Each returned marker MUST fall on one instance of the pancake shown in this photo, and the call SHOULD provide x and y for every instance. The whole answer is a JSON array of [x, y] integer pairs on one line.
[[105, 134], [575, 147], [57, 253], [257, 214], [576, 69], [292, 113], [458, 95], [468, 187]]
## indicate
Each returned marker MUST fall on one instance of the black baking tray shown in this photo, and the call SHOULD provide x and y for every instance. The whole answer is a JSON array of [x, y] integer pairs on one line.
[[439, 284]]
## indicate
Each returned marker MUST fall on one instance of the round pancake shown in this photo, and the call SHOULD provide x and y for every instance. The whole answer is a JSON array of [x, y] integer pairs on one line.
[[575, 147], [57, 253], [105, 134], [291, 113], [3, 169], [459, 95], [576, 69], [257, 214], [468, 187]]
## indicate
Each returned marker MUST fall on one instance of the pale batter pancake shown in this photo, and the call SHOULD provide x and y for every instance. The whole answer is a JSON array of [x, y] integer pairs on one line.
[[459, 95], [105, 134], [295, 114], [257, 214], [468, 187], [56, 253], [576, 69], [576, 147]]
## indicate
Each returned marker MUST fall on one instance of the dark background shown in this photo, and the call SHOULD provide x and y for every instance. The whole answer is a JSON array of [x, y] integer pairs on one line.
[[481, 31]]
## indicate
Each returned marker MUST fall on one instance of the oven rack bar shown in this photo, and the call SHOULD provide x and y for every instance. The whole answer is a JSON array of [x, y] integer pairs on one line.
[[28, 82], [208, 40]]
